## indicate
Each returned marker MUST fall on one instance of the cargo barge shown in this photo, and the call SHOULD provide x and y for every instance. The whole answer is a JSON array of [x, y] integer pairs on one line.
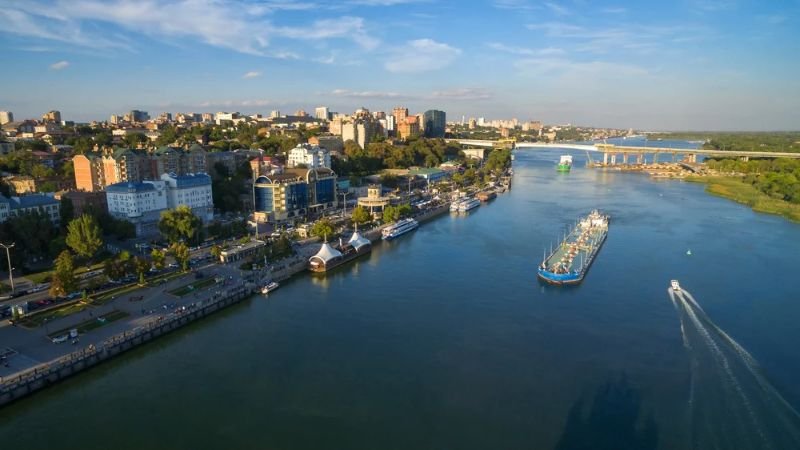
[[568, 263]]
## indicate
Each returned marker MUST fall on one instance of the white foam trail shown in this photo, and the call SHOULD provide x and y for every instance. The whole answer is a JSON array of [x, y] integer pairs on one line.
[[720, 356], [749, 361]]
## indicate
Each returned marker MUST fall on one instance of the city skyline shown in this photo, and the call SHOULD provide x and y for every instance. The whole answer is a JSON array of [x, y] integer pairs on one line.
[[698, 65]]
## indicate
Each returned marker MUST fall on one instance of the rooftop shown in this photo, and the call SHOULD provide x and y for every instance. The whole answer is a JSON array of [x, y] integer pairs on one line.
[[126, 187]]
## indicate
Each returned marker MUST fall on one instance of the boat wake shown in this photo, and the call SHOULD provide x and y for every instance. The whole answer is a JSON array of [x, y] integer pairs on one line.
[[731, 404]]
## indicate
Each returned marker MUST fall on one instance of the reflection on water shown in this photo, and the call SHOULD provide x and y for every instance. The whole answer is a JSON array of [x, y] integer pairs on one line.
[[614, 421]]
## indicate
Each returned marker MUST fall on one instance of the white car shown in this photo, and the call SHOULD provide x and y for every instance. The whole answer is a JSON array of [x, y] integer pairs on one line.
[[60, 339]]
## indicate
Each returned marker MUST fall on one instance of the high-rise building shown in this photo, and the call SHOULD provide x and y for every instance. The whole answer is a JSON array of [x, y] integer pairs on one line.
[[322, 113], [400, 113], [472, 123], [114, 119], [295, 193], [88, 170], [274, 114], [138, 116], [5, 117], [391, 123], [52, 116], [312, 156], [434, 123], [408, 128]]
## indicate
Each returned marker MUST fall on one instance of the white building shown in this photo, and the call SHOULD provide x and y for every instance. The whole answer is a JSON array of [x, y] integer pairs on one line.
[[312, 156], [132, 201], [322, 113], [6, 117], [193, 191], [225, 116]]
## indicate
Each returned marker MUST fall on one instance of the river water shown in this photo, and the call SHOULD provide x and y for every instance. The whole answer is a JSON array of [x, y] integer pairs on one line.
[[445, 339]]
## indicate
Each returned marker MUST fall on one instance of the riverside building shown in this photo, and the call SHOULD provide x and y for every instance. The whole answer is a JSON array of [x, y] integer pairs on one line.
[[294, 194]]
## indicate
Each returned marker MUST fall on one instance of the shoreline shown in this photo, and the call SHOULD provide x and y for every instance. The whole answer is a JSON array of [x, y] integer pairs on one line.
[[733, 189], [28, 381]]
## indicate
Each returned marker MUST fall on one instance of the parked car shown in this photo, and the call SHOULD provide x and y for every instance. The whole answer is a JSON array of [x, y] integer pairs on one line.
[[60, 339]]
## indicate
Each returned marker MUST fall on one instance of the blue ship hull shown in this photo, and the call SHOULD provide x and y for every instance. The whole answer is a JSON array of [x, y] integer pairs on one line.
[[560, 278]]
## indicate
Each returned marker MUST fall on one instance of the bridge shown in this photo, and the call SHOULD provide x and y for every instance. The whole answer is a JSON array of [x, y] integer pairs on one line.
[[611, 151]]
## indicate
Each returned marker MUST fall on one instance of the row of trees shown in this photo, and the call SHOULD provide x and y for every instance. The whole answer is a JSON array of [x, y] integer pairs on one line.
[[383, 155], [779, 178]]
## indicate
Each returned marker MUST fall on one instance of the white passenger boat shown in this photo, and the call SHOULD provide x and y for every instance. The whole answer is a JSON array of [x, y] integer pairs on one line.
[[399, 228]]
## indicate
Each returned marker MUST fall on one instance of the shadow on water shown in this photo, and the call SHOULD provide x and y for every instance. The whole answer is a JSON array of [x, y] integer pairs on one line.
[[613, 421]]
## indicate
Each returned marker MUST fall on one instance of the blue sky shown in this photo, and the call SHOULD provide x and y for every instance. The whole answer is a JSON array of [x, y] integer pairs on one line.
[[683, 64]]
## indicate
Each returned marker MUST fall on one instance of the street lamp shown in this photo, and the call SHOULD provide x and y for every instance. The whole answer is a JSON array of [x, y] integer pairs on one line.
[[344, 203], [10, 270]]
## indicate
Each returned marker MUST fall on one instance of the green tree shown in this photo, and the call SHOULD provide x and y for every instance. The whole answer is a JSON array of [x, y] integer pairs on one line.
[[158, 257], [141, 266], [63, 281], [404, 210], [390, 214], [180, 251], [360, 215], [66, 211], [180, 224], [216, 251], [322, 228], [84, 236]]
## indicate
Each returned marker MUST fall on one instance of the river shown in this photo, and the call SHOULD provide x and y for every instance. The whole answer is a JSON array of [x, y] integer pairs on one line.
[[445, 339]]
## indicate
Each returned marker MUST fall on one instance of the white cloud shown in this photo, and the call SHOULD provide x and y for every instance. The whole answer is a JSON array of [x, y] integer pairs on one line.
[[59, 65], [346, 27], [422, 55], [237, 25], [557, 9], [369, 94], [251, 74], [546, 51], [519, 5], [383, 2], [614, 10], [463, 94], [236, 103], [450, 94]]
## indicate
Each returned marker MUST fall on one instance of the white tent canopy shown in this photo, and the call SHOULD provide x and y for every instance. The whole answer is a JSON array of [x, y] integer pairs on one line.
[[327, 253]]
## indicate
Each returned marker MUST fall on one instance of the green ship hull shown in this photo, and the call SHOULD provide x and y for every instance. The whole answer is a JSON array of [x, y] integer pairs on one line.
[[563, 167]]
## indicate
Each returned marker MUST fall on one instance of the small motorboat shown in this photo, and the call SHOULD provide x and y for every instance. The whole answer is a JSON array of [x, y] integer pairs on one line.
[[676, 287], [269, 287]]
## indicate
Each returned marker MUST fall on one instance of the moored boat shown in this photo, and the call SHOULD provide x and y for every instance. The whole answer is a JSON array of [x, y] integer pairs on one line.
[[399, 228], [329, 257], [485, 196], [269, 287], [468, 204], [568, 263]]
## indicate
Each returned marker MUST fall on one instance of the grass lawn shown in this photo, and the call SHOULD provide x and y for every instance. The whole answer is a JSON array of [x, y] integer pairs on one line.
[[44, 277], [745, 193], [193, 287], [37, 320], [93, 323]]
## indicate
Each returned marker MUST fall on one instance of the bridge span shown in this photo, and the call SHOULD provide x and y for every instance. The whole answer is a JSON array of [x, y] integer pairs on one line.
[[611, 151]]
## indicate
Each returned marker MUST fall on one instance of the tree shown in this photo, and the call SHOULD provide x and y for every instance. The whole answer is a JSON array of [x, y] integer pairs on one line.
[[390, 214], [180, 224], [360, 215], [140, 265], [216, 251], [158, 257], [64, 280], [180, 251], [404, 210], [66, 210], [322, 228], [84, 236]]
